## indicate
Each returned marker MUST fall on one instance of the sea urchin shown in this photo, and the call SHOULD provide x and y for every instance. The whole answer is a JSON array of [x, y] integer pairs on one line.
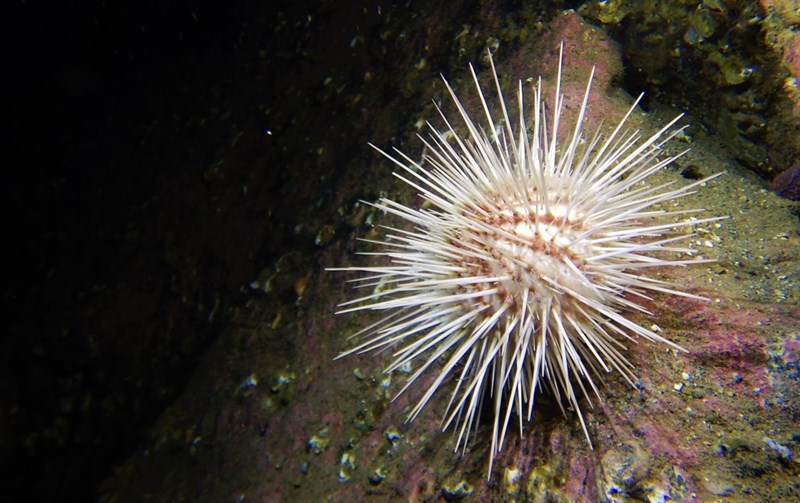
[[516, 274]]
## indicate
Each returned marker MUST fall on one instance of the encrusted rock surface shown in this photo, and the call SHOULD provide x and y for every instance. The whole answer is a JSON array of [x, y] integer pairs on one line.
[[271, 416]]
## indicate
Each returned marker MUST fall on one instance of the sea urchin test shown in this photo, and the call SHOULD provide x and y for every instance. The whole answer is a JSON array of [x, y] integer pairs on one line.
[[517, 272]]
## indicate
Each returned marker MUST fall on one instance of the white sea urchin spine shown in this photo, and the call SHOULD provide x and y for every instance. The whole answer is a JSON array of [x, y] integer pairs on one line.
[[517, 274]]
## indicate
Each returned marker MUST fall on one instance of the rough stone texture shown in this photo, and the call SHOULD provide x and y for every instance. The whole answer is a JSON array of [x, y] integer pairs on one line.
[[782, 15], [185, 231], [734, 62], [271, 416]]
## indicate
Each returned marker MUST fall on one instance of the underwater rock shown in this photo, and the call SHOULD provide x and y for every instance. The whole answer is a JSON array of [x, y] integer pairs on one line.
[[787, 184]]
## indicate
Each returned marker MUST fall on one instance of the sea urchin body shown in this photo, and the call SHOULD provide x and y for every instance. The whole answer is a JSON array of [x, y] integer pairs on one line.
[[516, 275]]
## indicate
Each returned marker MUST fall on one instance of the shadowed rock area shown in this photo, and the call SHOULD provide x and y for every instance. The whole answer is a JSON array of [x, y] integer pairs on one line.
[[181, 176]]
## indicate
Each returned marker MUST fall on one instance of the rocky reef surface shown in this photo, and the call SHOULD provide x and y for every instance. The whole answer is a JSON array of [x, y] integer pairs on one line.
[[271, 416]]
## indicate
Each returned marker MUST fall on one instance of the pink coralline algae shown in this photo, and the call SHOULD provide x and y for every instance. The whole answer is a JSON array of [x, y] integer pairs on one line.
[[787, 184]]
